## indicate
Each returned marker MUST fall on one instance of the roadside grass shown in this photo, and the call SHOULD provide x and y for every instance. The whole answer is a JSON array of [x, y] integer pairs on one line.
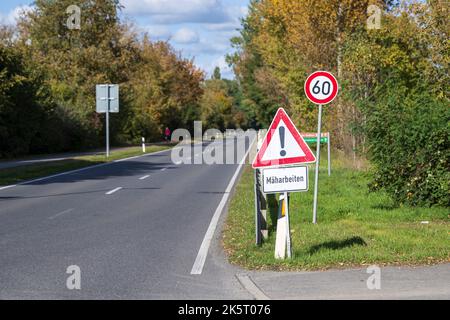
[[28, 172], [355, 227]]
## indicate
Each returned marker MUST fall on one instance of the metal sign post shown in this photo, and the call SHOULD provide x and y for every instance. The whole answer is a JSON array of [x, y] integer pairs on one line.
[[316, 177], [107, 101], [107, 124]]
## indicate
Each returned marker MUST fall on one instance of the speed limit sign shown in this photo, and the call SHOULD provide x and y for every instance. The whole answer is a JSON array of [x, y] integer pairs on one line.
[[321, 87]]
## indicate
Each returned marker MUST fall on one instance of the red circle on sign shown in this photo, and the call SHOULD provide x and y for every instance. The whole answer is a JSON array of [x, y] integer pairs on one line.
[[321, 74]]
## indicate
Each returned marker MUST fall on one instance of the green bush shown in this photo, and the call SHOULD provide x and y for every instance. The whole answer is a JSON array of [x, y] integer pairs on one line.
[[408, 138]]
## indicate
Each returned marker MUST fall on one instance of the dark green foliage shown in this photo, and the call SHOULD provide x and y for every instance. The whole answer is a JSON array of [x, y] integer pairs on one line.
[[408, 135], [28, 122]]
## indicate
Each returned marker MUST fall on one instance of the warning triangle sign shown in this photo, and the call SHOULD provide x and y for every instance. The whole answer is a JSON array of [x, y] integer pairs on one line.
[[283, 144]]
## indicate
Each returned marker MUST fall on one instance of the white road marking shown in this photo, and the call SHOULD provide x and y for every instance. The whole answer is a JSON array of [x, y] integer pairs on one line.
[[7, 187], [163, 169], [144, 177], [60, 214], [114, 190], [197, 268]]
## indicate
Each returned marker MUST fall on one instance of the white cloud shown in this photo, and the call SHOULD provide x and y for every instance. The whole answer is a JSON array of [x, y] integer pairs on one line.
[[181, 11], [186, 36], [158, 32], [14, 14], [218, 61], [228, 26]]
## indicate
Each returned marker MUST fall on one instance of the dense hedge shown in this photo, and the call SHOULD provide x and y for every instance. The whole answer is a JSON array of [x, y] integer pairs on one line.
[[28, 123], [408, 135]]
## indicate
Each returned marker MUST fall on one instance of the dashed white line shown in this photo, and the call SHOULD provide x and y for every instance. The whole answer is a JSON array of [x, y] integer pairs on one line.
[[84, 169], [60, 214], [114, 190], [144, 177]]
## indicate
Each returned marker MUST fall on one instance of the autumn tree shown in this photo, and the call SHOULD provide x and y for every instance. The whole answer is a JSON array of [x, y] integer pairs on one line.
[[216, 106], [166, 91]]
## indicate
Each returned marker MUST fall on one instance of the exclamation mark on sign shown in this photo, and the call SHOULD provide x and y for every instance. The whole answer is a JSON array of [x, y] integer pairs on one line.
[[282, 130]]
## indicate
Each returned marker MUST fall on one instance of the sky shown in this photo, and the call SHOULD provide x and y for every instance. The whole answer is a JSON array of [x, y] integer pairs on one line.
[[199, 29]]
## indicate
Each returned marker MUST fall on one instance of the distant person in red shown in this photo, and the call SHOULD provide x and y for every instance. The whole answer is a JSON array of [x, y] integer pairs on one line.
[[167, 134]]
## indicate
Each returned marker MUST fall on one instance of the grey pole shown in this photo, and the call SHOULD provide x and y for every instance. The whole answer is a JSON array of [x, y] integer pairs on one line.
[[316, 178], [329, 155], [288, 229], [107, 126], [257, 209]]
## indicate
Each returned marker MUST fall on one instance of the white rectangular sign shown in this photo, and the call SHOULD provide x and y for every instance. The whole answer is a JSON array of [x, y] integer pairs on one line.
[[289, 179], [107, 95]]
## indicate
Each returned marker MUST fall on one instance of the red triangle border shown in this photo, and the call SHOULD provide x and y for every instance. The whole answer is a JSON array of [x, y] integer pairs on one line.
[[307, 158]]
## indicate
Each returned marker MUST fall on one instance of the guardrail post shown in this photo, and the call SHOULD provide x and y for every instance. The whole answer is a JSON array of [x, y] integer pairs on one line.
[[329, 155], [260, 200]]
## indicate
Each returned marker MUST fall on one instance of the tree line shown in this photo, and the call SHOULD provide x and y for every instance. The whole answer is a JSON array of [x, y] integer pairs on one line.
[[48, 73], [391, 59]]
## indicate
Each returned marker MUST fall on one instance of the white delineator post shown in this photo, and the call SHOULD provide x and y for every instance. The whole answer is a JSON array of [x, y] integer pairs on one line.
[[281, 236], [143, 144], [316, 177]]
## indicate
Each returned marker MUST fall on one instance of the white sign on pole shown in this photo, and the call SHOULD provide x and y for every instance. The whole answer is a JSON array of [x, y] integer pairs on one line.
[[289, 179], [105, 93], [107, 101], [282, 145], [321, 88]]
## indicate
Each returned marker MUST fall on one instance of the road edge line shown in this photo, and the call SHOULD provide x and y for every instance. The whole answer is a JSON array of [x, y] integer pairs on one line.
[[199, 262]]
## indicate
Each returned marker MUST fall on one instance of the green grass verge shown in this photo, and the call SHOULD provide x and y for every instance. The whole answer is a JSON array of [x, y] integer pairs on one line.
[[355, 227], [22, 173]]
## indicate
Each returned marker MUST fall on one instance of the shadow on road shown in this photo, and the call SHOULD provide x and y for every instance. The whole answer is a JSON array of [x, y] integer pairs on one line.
[[117, 169], [70, 193]]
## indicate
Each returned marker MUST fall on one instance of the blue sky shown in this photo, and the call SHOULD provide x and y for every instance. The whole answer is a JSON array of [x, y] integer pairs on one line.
[[200, 29]]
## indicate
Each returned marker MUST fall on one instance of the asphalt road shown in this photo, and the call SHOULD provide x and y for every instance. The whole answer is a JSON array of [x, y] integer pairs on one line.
[[138, 228], [136, 242]]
